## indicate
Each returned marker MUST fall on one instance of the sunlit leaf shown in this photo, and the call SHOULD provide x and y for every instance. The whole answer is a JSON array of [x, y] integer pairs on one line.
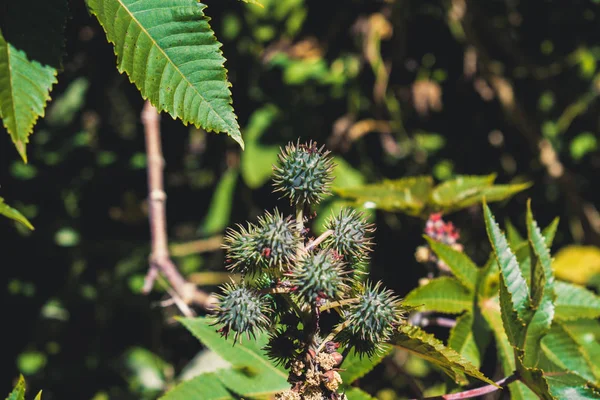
[[169, 51], [577, 264], [252, 373], [204, 386], [463, 341], [428, 347], [11, 213], [463, 268], [408, 195], [575, 302], [443, 294], [355, 367]]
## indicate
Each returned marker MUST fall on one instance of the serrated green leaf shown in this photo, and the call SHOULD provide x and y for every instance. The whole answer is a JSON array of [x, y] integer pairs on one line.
[[355, 367], [11, 213], [460, 188], [258, 159], [219, 211], [424, 345], [542, 292], [490, 309], [29, 62], [408, 195], [577, 264], [462, 340], [24, 91], [204, 386], [467, 190], [252, 373], [513, 235], [562, 349], [18, 392], [443, 294], [575, 302], [560, 384], [515, 284], [542, 278], [463, 268], [169, 51], [586, 332]]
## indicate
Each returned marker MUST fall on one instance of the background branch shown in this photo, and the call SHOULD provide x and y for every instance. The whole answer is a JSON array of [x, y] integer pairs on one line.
[[160, 260]]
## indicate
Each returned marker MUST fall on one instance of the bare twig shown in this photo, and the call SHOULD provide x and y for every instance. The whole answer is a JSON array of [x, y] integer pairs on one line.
[[318, 240], [468, 394], [160, 261], [197, 246]]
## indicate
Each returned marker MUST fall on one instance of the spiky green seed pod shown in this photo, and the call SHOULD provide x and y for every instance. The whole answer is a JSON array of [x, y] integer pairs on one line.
[[283, 346], [318, 276], [350, 235], [242, 253], [373, 319], [277, 240], [304, 173], [241, 310]]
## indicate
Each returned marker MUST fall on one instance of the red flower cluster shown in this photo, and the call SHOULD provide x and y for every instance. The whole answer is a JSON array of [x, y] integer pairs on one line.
[[441, 231]]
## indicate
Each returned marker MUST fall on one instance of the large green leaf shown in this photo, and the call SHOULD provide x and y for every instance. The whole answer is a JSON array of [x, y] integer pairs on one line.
[[11, 213], [169, 51], [575, 302], [462, 340], [459, 263], [204, 386], [563, 350], [252, 373], [516, 287], [355, 367], [428, 347], [443, 294], [562, 384], [408, 195], [586, 332], [464, 191]]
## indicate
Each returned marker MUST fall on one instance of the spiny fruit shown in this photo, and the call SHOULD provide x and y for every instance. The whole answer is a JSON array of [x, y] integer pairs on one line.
[[318, 276], [304, 173], [242, 250], [276, 240], [349, 238], [241, 310], [373, 319]]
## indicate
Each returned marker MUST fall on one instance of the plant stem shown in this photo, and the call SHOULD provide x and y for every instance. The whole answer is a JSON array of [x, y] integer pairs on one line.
[[468, 394], [160, 260], [339, 303], [333, 334], [318, 240]]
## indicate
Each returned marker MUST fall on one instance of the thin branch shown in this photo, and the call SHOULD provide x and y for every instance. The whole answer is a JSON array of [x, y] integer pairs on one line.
[[318, 240], [160, 261], [468, 394], [197, 246]]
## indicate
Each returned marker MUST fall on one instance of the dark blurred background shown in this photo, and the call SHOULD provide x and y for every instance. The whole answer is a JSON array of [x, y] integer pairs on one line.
[[393, 88]]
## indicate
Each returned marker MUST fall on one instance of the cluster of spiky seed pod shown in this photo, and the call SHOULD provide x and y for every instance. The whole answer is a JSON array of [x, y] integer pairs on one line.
[[288, 280]]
